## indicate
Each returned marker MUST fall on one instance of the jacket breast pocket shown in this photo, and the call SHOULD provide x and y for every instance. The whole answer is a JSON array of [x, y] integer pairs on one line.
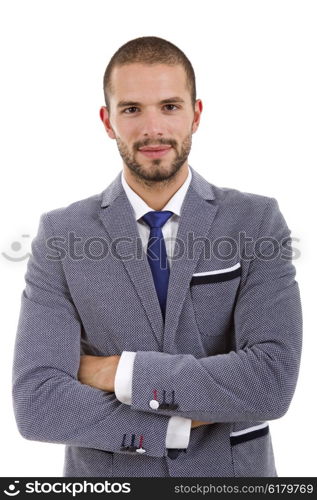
[[213, 295]]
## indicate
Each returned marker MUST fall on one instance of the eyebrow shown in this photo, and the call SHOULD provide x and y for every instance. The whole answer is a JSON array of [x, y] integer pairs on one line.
[[170, 100]]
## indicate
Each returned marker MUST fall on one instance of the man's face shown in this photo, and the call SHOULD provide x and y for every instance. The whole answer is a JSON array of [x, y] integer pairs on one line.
[[151, 118]]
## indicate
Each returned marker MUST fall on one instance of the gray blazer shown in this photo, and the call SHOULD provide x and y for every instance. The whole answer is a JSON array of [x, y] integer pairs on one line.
[[229, 351]]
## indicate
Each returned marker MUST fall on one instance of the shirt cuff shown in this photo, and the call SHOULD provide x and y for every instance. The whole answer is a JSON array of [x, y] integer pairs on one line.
[[178, 432], [123, 377]]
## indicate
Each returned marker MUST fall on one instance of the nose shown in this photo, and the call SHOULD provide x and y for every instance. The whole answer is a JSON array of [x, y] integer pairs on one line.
[[152, 125]]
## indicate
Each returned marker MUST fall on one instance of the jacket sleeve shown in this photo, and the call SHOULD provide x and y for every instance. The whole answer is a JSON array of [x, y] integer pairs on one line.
[[256, 380], [178, 429], [50, 403]]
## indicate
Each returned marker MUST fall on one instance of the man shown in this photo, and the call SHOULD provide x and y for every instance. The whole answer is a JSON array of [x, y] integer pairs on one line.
[[152, 341]]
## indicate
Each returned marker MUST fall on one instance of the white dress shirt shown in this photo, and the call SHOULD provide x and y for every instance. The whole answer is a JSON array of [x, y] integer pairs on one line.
[[178, 429]]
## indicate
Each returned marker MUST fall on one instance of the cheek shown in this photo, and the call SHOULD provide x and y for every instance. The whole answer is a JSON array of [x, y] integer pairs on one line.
[[118, 125], [179, 128], [128, 133]]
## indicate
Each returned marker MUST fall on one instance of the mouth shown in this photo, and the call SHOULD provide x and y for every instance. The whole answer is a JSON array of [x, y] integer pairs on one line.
[[155, 151]]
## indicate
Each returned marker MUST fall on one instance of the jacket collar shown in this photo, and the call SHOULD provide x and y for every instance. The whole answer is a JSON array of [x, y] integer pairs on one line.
[[198, 183]]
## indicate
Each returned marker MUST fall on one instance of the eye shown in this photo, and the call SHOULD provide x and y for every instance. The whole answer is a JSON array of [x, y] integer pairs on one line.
[[126, 109], [171, 105]]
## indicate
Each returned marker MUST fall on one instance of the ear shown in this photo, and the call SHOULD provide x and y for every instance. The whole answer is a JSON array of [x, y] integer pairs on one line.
[[197, 113], [104, 116]]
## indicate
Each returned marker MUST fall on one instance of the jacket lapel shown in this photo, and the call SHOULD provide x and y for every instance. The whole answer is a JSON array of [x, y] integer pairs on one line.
[[197, 214], [116, 214]]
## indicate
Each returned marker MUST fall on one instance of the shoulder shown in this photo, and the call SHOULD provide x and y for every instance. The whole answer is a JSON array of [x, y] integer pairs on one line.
[[243, 199], [250, 210], [77, 213], [243, 203]]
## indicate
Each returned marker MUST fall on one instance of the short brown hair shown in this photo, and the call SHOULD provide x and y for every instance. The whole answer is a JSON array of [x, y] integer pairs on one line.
[[149, 50]]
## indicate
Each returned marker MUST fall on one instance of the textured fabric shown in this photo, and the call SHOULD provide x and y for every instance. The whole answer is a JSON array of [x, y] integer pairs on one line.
[[230, 350], [156, 253]]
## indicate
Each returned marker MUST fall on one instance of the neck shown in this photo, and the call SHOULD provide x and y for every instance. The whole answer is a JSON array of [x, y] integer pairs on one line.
[[156, 194]]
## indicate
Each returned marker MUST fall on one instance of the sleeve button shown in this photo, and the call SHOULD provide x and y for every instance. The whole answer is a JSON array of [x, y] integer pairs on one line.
[[154, 404]]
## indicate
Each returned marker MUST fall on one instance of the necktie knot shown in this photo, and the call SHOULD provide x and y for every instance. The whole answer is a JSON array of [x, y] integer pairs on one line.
[[157, 218]]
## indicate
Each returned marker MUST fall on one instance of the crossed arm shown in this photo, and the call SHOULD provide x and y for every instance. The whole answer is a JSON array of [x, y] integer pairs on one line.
[[100, 372]]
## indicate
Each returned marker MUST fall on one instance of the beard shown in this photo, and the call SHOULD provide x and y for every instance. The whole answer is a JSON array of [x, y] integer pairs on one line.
[[155, 172]]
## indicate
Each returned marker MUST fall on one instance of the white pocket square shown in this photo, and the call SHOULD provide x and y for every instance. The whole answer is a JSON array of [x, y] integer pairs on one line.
[[219, 271]]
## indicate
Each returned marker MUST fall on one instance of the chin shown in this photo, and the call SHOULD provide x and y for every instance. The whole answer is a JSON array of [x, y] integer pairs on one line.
[[158, 173]]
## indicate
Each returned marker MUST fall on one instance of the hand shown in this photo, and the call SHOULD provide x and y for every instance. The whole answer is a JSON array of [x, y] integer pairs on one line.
[[198, 423], [98, 371]]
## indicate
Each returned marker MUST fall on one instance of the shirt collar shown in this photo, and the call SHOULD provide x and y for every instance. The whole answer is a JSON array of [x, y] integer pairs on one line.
[[139, 206]]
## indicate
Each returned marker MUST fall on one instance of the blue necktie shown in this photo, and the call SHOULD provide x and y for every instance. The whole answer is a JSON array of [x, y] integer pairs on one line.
[[156, 253]]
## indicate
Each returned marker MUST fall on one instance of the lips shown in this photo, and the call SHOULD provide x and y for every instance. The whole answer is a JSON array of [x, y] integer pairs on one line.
[[155, 151]]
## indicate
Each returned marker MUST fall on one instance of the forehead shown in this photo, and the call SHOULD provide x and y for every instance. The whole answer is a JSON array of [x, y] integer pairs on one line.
[[135, 80]]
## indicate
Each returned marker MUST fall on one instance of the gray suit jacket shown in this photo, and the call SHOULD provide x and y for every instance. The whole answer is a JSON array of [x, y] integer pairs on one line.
[[229, 349]]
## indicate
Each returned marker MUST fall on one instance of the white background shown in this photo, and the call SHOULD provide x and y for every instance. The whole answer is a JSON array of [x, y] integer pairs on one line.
[[255, 64]]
